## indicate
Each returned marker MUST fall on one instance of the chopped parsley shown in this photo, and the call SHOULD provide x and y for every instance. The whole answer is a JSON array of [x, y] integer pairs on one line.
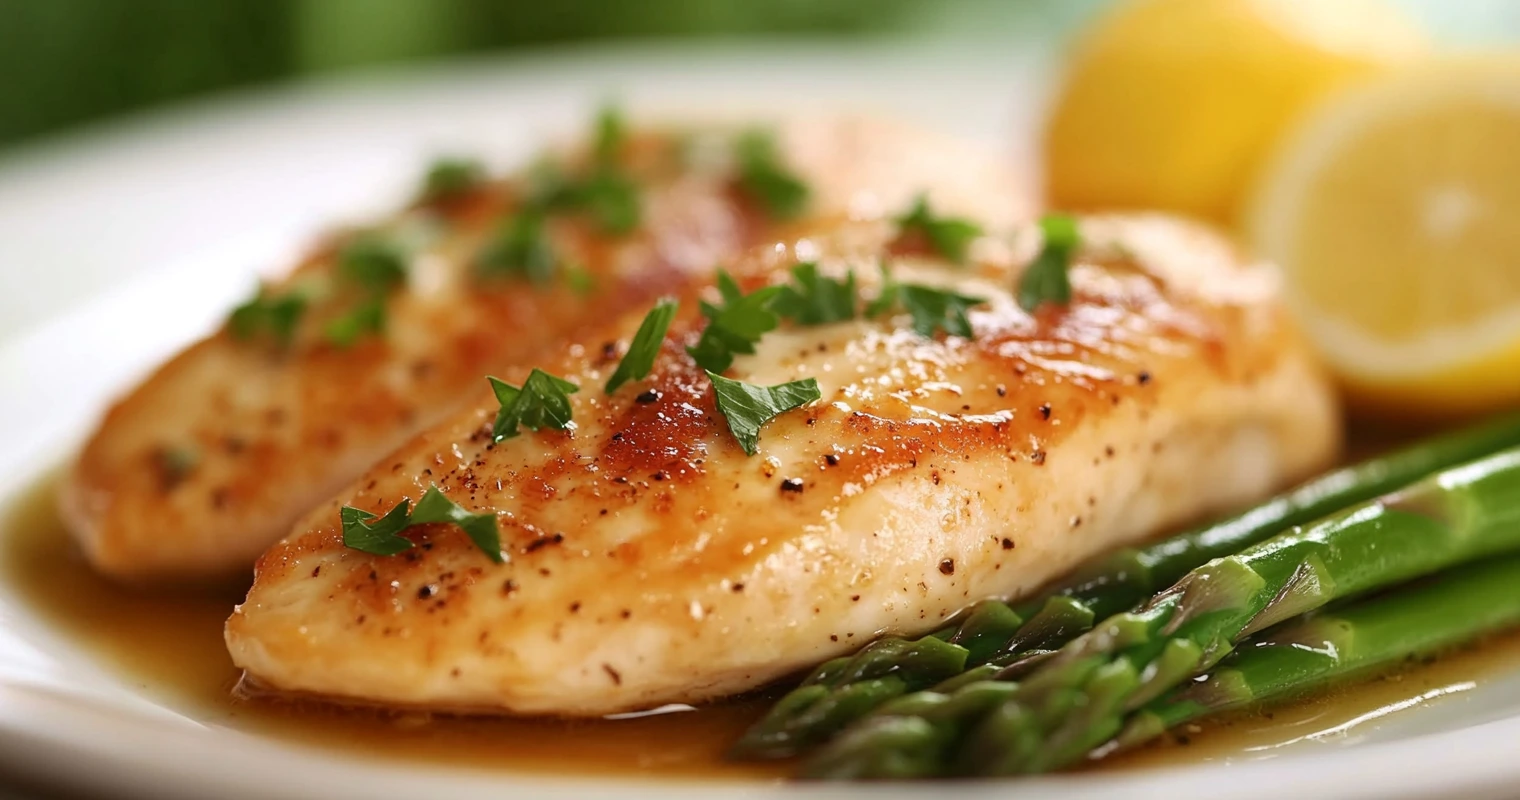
[[349, 328], [747, 407], [275, 316], [951, 237], [542, 402], [734, 326], [606, 193], [377, 265], [580, 280], [1046, 280], [611, 197], [451, 177], [639, 359], [815, 299], [932, 308], [374, 263], [520, 248], [381, 536], [436, 507], [611, 136], [766, 180]]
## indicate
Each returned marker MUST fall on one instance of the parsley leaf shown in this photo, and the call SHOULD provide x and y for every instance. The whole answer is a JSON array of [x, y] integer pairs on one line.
[[1046, 280], [734, 327], [520, 248], [814, 299], [639, 359], [748, 407], [380, 536], [951, 237], [612, 199], [543, 401], [435, 506], [451, 177], [766, 180], [611, 134], [931, 308], [367, 317], [274, 315], [580, 280], [373, 262]]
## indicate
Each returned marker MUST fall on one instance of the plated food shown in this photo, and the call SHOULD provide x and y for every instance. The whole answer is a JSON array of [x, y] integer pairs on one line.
[[212, 458], [874, 424]]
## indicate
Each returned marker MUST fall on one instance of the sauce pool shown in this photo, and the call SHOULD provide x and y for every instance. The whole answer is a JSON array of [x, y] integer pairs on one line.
[[170, 645]]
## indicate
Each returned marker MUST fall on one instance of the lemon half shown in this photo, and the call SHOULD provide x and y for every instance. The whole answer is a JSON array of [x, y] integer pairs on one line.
[[1394, 210], [1174, 103]]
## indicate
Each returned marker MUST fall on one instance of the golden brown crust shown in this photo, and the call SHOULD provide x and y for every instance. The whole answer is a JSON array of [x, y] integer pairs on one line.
[[274, 433], [652, 561]]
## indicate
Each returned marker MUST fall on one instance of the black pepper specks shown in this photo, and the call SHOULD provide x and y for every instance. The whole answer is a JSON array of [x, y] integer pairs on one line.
[[1143, 378], [1038, 457], [428, 590], [947, 567], [832, 459], [542, 542], [1044, 411], [1007, 543], [647, 396], [1002, 391], [792, 485], [509, 587]]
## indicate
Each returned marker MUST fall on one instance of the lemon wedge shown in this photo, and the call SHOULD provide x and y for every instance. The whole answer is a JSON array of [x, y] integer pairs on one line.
[[1394, 210], [1174, 103]]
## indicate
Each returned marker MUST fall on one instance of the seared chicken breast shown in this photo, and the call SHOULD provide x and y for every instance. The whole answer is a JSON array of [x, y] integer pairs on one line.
[[383, 332], [646, 558]]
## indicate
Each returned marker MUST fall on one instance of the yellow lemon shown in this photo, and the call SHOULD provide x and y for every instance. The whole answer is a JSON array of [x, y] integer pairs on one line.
[[1394, 210], [1173, 103]]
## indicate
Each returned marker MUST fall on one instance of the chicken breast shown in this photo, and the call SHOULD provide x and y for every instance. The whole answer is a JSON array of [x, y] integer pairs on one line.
[[214, 456], [649, 560]]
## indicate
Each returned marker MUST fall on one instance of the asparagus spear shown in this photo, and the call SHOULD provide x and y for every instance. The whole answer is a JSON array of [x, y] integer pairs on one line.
[[1114, 583], [1079, 698], [912, 736], [1305, 656]]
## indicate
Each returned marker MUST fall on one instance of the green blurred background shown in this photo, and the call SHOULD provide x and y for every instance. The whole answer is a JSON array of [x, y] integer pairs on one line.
[[65, 62]]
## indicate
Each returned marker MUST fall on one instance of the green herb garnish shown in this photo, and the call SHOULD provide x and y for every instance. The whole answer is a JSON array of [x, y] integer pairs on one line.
[[580, 280], [765, 179], [951, 237], [612, 199], [639, 359], [747, 407], [381, 536], [436, 507], [735, 326], [932, 309], [451, 177], [814, 299], [1046, 280], [520, 248], [369, 533], [374, 263], [367, 317], [542, 402], [266, 314], [611, 135]]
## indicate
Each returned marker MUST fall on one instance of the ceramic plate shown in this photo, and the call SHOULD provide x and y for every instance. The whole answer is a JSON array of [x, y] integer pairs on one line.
[[120, 244]]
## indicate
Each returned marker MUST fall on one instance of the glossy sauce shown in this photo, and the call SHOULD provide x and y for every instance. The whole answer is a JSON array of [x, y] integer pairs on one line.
[[171, 645]]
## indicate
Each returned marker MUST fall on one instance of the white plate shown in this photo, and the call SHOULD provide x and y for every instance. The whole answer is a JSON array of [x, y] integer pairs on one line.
[[118, 245]]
